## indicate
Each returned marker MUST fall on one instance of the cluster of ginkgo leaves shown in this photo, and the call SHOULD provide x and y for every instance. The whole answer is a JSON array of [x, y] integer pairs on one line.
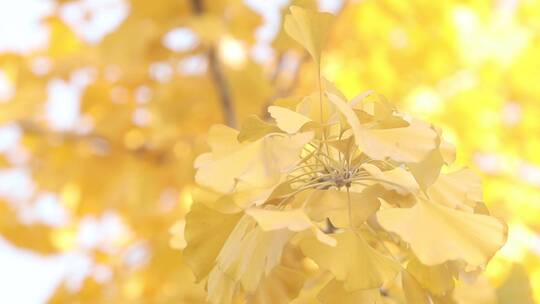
[[336, 201]]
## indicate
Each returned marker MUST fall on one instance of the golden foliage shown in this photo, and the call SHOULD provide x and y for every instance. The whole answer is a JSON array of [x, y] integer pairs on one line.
[[145, 109]]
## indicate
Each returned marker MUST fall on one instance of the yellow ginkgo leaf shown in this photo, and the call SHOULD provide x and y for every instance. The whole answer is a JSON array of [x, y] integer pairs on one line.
[[448, 152], [220, 137], [397, 179], [353, 261], [344, 144], [260, 252], [346, 110], [294, 220], [311, 107], [221, 288], [288, 120], [281, 286], [409, 144], [427, 171], [414, 293], [244, 196], [438, 279], [459, 190], [446, 148], [206, 231], [268, 220], [331, 88], [334, 292], [452, 234], [215, 200], [313, 286], [333, 204], [257, 163], [480, 291], [308, 28], [254, 128]]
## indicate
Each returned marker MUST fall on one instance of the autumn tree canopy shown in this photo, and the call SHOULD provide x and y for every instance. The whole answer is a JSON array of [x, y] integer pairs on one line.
[[235, 151]]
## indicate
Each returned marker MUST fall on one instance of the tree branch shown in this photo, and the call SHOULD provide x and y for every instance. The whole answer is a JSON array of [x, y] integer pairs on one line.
[[218, 77], [197, 6], [223, 90]]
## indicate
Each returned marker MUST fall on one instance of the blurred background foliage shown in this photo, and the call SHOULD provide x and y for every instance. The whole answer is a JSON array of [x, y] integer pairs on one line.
[[101, 121]]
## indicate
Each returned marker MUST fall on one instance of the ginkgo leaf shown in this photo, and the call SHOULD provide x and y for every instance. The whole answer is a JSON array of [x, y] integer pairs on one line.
[[331, 88], [446, 149], [460, 189], [343, 145], [205, 233], [452, 234], [345, 109], [380, 113], [282, 285], [353, 261], [333, 204], [312, 105], [414, 293], [221, 288], [397, 179], [244, 196], [359, 99], [260, 252], [220, 137], [334, 292], [448, 152], [308, 28], [215, 200], [294, 220], [480, 291], [258, 163], [312, 287], [427, 171], [438, 279], [408, 144], [288, 120], [254, 128], [404, 144]]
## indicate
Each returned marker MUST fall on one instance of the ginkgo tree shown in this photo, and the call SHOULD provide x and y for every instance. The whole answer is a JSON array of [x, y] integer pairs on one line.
[[335, 200], [147, 90]]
